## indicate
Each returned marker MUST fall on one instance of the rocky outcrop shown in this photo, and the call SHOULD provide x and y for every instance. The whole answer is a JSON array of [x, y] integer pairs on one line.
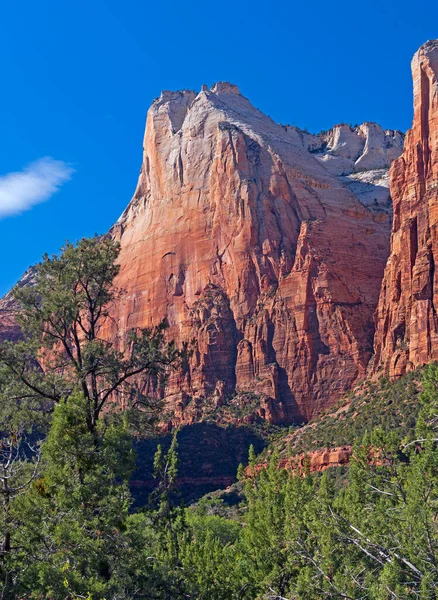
[[315, 461], [318, 460], [407, 323], [262, 245], [345, 149]]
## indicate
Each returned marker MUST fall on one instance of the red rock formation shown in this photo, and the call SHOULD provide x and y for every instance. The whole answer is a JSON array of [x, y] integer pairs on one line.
[[407, 323], [313, 462], [251, 239], [318, 460]]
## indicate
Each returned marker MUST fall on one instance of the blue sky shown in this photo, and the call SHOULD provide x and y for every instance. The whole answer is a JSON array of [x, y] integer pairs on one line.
[[79, 76]]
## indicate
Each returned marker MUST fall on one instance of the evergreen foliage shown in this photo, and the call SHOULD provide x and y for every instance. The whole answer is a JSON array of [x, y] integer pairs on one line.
[[391, 405], [62, 316], [68, 527]]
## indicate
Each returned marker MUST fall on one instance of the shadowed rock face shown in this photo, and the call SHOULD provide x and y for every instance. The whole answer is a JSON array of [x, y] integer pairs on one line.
[[209, 456], [9, 329], [263, 246], [407, 324]]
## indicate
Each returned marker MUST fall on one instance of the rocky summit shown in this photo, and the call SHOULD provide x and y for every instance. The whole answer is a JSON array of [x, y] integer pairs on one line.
[[262, 245], [264, 248]]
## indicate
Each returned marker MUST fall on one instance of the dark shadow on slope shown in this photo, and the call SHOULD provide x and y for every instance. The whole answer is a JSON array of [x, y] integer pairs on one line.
[[209, 456]]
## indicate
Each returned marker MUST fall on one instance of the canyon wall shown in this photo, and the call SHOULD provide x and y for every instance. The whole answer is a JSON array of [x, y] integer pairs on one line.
[[264, 248], [406, 320]]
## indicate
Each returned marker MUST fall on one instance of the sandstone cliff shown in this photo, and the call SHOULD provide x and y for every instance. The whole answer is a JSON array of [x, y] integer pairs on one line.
[[262, 245], [407, 324]]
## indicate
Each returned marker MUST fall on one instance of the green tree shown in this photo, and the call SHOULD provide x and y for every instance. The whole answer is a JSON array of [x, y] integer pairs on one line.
[[76, 512], [65, 324], [210, 558], [168, 519], [66, 533], [19, 466], [263, 542]]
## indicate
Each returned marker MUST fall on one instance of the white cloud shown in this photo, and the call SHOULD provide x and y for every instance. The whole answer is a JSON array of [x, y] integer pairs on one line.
[[36, 183]]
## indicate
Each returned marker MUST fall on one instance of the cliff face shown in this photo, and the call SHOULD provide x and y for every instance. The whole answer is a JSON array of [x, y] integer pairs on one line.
[[407, 324], [9, 328], [262, 245]]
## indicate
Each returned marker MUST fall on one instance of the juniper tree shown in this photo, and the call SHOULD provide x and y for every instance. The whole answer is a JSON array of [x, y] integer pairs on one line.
[[72, 536], [72, 517], [63, 318]]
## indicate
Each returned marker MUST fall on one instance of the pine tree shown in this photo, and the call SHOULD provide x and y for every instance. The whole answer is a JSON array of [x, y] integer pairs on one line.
[[63, 316], [76, 511], [69, 534]]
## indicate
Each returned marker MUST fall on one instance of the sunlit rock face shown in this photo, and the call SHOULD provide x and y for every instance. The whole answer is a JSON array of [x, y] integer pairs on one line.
[[407, 323], [264, 248]]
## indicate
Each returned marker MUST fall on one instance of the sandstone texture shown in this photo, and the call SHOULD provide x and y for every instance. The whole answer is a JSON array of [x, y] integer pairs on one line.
[[407, 324], [262, 245], [318, 460]]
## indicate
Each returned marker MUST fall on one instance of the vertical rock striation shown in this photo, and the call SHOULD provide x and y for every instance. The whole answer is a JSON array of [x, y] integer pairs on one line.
[[407, 323], [262, 245]]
